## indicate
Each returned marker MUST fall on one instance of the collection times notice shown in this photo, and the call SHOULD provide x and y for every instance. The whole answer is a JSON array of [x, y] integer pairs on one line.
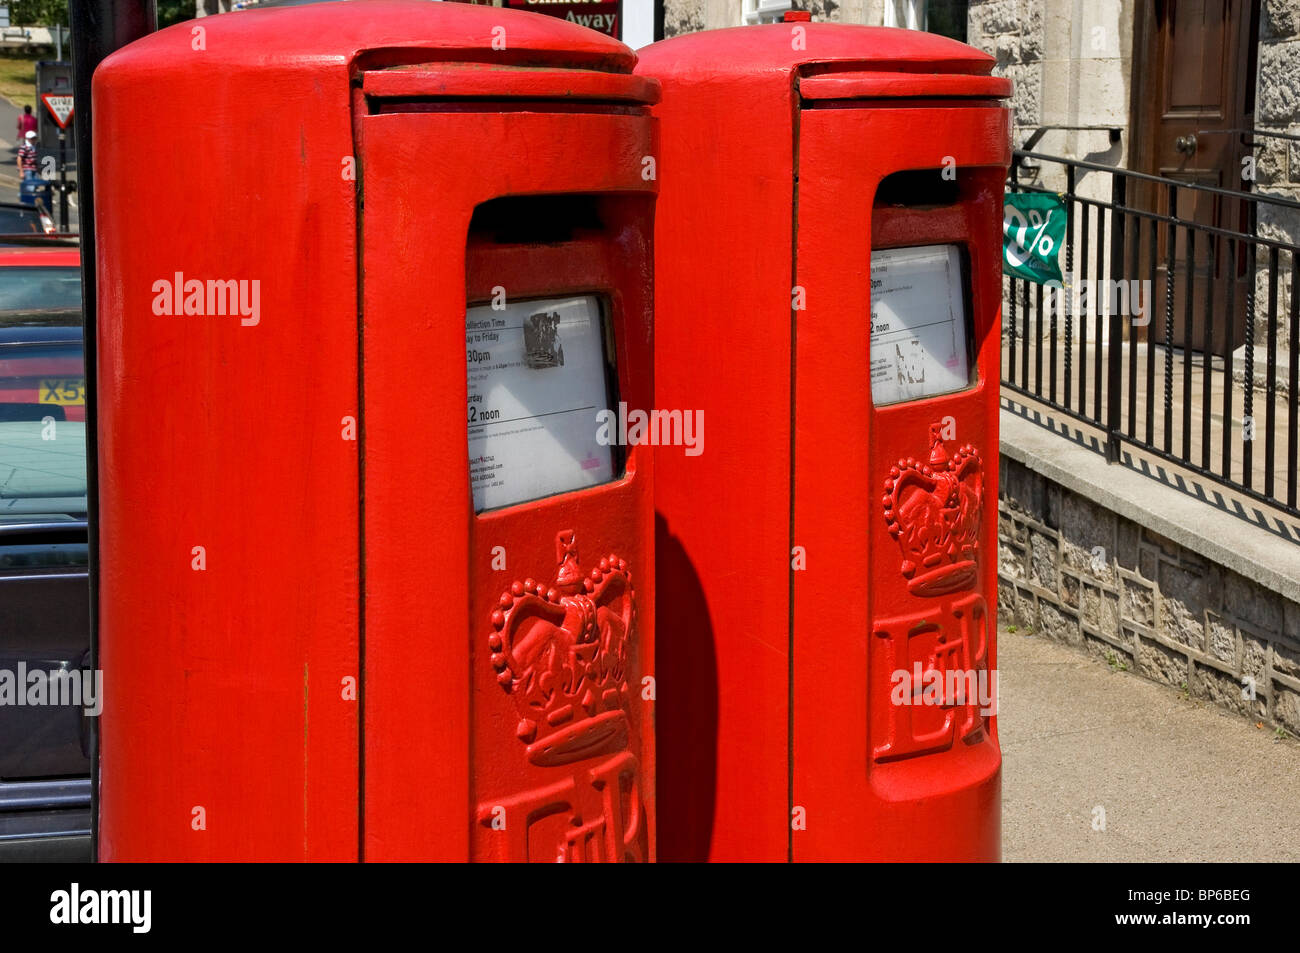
[[537, 378], [918, 323]]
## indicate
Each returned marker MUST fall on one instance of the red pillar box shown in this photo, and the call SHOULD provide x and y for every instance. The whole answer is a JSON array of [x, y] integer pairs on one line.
[[828, 290], [436, 219]]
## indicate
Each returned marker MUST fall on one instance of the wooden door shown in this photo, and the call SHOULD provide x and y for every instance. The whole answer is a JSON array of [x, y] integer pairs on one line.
[[1190, 114]]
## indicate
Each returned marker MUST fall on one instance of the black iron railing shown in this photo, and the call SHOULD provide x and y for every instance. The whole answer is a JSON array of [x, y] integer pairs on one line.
[[1194, 357]]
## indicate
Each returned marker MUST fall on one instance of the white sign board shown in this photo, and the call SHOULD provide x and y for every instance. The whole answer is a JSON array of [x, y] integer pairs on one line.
[[537, 379], [918, 323]]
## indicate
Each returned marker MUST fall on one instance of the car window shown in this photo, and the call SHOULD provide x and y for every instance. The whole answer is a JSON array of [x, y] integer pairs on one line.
[[16, 221], [42, 424], [24, 288]]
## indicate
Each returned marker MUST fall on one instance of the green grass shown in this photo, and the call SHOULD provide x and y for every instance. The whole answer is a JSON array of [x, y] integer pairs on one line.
[[18, 79]]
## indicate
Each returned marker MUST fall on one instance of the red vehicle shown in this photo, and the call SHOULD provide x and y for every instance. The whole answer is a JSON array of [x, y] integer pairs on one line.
[[39, 287], [44, 749]]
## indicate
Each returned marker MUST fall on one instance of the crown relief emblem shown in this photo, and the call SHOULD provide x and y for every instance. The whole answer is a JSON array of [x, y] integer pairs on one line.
[[933, 510], [561, 652]]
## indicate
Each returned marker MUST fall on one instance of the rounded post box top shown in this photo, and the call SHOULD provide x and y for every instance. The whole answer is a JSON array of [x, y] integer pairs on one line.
[[395, 31], [774, 48]]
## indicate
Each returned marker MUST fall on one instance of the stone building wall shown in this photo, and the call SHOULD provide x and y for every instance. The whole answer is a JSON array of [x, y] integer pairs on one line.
[[1012, 32], [683, 16], [1277, 161], [1071, 65], [1277, 106], [1080, 574]]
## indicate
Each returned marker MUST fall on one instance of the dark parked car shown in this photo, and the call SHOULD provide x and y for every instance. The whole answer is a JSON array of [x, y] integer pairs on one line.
[[19, 219], [45, 746]]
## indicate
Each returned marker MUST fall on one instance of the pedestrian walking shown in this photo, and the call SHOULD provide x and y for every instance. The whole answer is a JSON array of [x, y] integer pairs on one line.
[[27, 156], [26, 124]]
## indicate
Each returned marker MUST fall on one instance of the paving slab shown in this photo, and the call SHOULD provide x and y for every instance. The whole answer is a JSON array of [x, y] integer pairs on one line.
[[1178, 778]]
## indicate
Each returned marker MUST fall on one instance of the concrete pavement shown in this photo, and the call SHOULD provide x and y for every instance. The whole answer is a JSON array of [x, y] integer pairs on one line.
[[1177, 779]]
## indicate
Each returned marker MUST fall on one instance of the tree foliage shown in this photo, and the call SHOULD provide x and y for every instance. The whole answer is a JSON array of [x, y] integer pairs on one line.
[[51, 12], [38, 12], [174, 11]]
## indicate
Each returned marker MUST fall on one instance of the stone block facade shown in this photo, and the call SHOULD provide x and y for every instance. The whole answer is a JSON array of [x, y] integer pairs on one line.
[[1277, 161], [1083, 575], [1012, 31], [1277, 103], [683, 16]]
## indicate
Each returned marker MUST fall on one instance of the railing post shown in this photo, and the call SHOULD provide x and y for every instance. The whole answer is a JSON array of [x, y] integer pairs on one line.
[[99, 27], [1068, 291], [1115, 344]]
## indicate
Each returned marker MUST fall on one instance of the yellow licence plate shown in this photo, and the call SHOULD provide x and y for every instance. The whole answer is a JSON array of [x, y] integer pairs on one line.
[[64, 391]]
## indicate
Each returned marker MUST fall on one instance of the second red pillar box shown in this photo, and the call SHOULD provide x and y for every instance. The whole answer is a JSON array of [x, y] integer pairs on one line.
[[828, 286]]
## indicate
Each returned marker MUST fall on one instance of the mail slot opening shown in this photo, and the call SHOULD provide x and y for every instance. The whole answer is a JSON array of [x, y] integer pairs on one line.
[[919, 188], [920, 323], [536, 219]]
